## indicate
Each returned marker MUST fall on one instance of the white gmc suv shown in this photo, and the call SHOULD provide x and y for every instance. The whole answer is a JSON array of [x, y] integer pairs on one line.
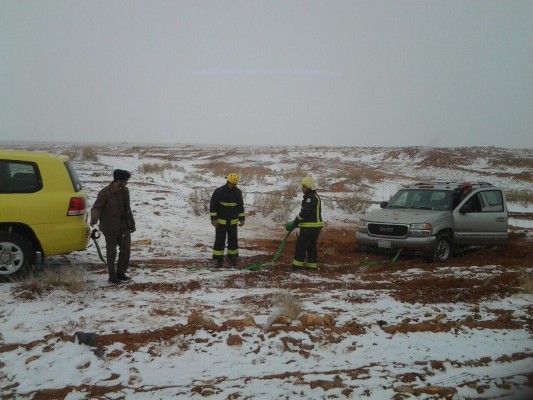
[[430, 218]]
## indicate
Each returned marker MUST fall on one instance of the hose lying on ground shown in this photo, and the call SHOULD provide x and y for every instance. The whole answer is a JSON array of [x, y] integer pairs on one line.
[[384, 262], [254, 267], [278, 253], [94, 236]]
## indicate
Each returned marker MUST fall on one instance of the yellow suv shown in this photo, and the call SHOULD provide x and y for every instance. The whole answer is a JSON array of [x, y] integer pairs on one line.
[[43, 208]]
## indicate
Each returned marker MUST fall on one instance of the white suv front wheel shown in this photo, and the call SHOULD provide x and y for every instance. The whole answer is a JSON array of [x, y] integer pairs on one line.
[[443, 248]]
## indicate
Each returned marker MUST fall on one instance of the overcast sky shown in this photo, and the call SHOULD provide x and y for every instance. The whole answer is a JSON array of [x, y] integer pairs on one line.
[[337, 73]]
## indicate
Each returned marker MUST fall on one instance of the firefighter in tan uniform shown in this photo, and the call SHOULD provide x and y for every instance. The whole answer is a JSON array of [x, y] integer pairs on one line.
[[309, 220], [112, 209], [226, 211]]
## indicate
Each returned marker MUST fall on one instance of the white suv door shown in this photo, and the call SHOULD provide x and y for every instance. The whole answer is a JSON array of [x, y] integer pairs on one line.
[[481, 219]]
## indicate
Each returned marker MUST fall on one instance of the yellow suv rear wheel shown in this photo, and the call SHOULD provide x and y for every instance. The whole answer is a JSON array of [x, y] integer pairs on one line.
[[17, 255]]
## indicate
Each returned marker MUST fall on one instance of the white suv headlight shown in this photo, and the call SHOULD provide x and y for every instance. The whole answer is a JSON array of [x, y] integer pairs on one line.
[[361, 225], [420, 229]]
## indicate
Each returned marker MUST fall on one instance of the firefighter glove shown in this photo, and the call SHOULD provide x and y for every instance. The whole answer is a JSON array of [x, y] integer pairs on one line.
[[289, 226]]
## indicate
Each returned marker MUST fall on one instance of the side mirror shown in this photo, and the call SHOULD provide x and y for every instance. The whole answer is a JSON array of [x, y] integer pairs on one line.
[[383, 204]]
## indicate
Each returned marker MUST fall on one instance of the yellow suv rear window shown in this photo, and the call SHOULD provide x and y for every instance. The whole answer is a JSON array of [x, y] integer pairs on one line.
[[19, 177]]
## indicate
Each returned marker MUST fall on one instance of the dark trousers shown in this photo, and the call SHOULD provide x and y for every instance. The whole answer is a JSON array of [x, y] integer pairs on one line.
[[306, 247], [123, 240], [220, 241]]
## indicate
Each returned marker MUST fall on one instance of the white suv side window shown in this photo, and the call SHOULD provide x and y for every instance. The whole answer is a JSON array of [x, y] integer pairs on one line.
[[474, 204], [492, 201], [486, 201]]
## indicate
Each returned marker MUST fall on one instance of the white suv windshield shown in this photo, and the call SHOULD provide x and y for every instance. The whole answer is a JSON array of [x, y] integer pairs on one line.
[[424, 199]]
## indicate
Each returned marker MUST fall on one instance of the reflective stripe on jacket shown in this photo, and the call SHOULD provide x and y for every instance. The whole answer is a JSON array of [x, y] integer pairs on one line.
[[226, 205], [311, 211]]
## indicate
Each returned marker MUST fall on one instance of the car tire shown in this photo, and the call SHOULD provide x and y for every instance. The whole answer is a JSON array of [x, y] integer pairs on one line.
[[17, 256], [442, 249]]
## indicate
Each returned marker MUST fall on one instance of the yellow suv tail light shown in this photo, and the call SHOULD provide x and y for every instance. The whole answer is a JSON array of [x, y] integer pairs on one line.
[[76, 206]]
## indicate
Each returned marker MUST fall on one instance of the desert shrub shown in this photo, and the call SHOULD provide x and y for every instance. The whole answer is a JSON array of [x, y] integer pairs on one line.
[[72, 152], [526, 281], [356, 174], [524, 197], [261, 179], [88, 153], [199, 200], [283, 213], [133, 150], [70, 279], [287, 304], [141, 154], [244, 194], [296, 174], [351, 175], [175, 346], [220, 168], [179, 168], [155, 168], [70, 326], [196, 178], [322, 182], [266, 203], [291, 190], [275, 204], [356, 202]]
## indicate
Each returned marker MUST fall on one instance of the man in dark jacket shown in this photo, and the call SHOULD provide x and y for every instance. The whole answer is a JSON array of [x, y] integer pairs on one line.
[[112, 208], [466, 189], [309, 220], [226, 211]]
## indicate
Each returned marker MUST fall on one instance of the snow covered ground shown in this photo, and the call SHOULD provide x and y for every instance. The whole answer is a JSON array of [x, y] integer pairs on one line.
[[381, 346]]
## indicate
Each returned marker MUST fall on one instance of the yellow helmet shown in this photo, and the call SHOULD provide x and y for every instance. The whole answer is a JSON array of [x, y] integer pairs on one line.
[[233, 178], [308, 182]]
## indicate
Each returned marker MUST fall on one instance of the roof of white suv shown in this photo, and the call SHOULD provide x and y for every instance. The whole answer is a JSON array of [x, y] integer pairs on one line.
[[438, 185]]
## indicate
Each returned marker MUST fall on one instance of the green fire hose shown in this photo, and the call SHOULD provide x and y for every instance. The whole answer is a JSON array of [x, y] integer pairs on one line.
[[278, 253], [95, 237], [254, 267], [384, 262]]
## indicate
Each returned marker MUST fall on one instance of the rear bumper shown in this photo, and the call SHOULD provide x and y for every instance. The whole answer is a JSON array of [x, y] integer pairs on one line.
[[411, 244], [63, 238]]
